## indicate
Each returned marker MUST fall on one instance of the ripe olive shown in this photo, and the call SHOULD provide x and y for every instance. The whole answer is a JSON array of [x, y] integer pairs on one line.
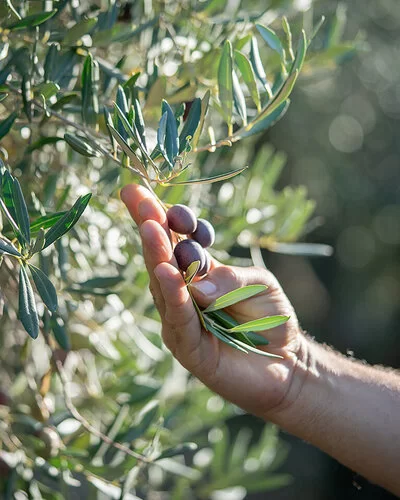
[[188, 251], [204, 233], [204, 270], [181, 219]]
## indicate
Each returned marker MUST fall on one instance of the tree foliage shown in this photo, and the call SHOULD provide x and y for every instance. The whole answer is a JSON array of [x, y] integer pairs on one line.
[[94, 95]]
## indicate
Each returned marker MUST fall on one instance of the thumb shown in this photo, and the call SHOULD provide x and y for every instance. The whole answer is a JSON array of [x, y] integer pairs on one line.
[[219, 281], [224, 279]]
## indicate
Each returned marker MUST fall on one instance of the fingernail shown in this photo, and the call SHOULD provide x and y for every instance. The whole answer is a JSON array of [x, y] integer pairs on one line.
[[205, 287]]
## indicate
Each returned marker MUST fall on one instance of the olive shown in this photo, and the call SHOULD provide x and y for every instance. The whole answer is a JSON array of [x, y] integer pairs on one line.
[[188, 251], [181, 219], [204, 233]]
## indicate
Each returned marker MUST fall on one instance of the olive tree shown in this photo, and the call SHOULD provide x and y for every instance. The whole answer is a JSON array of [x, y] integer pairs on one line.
[[173, 95]]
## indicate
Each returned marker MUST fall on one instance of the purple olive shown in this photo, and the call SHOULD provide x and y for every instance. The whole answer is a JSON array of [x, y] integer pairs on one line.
[[188, 251], [181, 219], [204, 233], [204, 270]]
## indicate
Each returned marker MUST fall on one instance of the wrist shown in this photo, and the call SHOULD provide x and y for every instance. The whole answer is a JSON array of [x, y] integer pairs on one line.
[[307, 396]]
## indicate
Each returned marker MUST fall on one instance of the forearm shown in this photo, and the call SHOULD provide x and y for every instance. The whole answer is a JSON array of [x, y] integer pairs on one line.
[[349, 410]]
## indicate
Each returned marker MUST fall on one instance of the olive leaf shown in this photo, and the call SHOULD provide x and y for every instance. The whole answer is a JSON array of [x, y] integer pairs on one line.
[[45, 288], [235, 296], [21, 212], [249, 77], [27, 312], [9, 248], [67, 221], [225, 82], [191, 124], [261, 324]]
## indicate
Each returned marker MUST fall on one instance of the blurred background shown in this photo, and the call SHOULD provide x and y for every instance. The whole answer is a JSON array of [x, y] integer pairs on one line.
[[342, 137]]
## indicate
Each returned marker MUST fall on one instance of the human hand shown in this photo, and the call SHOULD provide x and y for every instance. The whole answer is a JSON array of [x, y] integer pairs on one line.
[[260, 385]]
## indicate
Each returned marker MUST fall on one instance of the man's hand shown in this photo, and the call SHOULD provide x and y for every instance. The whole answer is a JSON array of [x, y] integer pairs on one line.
[[348, 409], [258, 384]]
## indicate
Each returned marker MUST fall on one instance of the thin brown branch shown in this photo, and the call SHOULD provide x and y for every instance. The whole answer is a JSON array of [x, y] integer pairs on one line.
[[85, 423]]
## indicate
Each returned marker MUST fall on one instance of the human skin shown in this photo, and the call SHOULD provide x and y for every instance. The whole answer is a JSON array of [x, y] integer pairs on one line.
[[348, 409]]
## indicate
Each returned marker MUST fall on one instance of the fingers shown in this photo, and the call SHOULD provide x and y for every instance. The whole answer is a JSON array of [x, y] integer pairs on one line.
[[156, 249], [132, 195], [182, 332], [179, 309], [224, 279], [156, 245]]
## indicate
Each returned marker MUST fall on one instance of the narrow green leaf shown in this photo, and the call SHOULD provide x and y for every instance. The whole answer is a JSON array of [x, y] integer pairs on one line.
[[316, 29], [282, 96], [337, 26], [204, 107], [90, 78], [224, 338], [219, 322], [43, 141], [39, 243], [257, 339], [130, 83], [109, 123], [139, 122], [191, 271], [209, 180], [9, 248], [3, 97], [180, 449], [171, 133], [191, 124], [21, 211], [288, 33], [223, 318], [127, 150], [235, 296], [301, 53], [304, 249], [272, 39], [249, 77], [60, 332], [48, 89], [122, 104], [264, 123], [7, 123], [81, 145], [27, 312], [12, 222], [133, 134], [65, 100], [253, 349], [261, 324], [66, 222], [161, 135], [31, 21], [7, 189], [225, 82], [226, 321], [101, 282], [258, 65], [45, 221], [45, 288], [51, 61], [238, 99], [78, 30]]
